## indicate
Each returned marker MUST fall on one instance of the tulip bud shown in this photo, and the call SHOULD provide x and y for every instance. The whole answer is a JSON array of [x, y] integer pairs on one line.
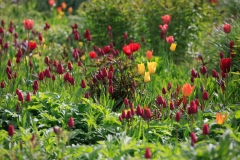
[[110, 75], [194, 73], [124, 115], [192, 79], [193, 138], [215, 74], [2, 85], [169, 86], [148, 114], [148, 154], [83, 84], [56, 130], [203, 70], [41, 76], [205, 95], [110, 90], [10, 130], [18, 107], [76, 36], [104, 72], [178, 116], [139, 111], [224, 75], [129, 115], [70, 67], [205, 129], [71, 122], [132, 110], [171, 106], [163, 91], [28, 97], [9, 63], [87, 95], [60, 69], [126, 102], [20, 96], [109, 28], [53, 77], [164, 104], [120, 118], [227, 28]]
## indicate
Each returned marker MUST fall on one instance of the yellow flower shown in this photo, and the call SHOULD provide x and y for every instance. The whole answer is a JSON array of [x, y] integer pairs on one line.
[[83, 57], [220, 119], [80, 44], [152, 67], [147, 77], [173, 46], [141, 68]]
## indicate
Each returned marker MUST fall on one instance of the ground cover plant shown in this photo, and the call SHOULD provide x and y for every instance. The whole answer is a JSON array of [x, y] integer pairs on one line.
[[76, 87]]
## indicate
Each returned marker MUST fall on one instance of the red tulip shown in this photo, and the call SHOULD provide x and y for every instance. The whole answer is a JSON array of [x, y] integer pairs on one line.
[[71, 122], [227, 28], [32, 45], [170, 39], [92, 55], [193, 138], [129, 114], [148, 153], [163, 91], [106, 49], [51, 2], [127, 50], [225, 64], [28, 97], [171, 106], [60, 69], [28, 24], [2, 85], [86, 34], [110, 90], [20, 96], [215, 74], [139, 111], [41, 76], [221, 55], [70, 67], [163, 28], [178, 116], [83, 84], [166, 19], [205, 95], [10, 130], [205, 129]]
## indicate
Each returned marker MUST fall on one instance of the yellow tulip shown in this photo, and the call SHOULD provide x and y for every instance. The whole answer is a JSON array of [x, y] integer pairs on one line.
[[141, 68], [173, 46], [152, 67], [147, 77]]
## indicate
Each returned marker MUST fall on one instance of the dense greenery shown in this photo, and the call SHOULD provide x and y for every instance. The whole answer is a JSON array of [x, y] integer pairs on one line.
[[84, 84]]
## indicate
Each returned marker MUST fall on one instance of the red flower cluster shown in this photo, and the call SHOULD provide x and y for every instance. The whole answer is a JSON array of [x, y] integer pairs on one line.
[[129, 49]]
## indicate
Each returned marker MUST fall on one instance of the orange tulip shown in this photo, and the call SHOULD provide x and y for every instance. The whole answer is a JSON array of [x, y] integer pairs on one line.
[[70, 10], [64, 5], [149, 54], [187, 89], [28, 24], [220, 118]]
